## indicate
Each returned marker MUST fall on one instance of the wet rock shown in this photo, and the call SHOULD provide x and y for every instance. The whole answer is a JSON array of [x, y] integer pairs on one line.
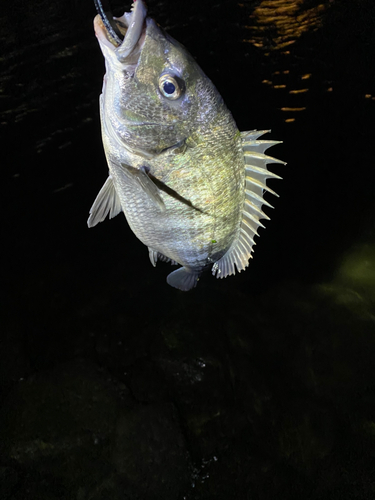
[[74, 400], [59, 425], [306, 435], [150, 452], [147, 381], [75, 432], [357, 270], [196, 375], [8, 481]]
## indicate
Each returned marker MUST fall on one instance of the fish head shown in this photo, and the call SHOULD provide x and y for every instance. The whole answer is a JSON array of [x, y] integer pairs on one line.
[[155, 94]]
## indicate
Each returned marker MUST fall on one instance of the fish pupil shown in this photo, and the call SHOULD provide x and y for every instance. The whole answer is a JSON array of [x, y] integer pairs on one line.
[[169, 88]]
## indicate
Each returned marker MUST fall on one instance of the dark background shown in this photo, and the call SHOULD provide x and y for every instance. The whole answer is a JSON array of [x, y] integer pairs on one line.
[[260, 386]]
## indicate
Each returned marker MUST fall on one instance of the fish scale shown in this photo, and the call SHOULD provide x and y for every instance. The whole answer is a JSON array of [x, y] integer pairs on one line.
[[189, 183], [168, 231]]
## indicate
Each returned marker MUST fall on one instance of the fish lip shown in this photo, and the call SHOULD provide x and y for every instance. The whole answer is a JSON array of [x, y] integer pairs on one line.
[[113, 31], [101, 33], [131, 26]]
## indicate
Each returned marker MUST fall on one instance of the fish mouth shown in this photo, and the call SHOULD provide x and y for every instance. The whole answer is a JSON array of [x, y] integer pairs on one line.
[[124, 35]]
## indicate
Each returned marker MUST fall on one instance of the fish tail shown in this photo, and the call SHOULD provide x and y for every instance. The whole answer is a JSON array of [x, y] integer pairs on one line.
[[183, 279]]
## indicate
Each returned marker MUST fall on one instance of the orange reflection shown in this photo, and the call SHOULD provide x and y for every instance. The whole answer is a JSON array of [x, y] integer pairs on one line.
[[276, 24], [292, 110], [299, 91]]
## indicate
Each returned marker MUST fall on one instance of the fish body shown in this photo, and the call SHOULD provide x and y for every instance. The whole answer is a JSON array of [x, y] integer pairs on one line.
[[189, 183]]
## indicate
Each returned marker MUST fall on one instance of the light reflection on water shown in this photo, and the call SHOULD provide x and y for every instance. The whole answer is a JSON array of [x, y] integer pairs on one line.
[[277, 24], [274, 26]]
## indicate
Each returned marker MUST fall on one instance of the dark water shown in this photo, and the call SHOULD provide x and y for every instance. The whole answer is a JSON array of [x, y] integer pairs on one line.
[[261, 386]]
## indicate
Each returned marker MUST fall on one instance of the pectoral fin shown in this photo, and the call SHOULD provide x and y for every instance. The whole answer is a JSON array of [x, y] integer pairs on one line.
[[107, 202], [146, 183]]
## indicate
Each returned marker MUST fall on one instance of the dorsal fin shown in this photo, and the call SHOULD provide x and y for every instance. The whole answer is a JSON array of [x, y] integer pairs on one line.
[[256, 175]]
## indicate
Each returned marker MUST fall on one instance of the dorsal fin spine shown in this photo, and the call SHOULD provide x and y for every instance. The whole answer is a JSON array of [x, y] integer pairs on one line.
[[256, 175]]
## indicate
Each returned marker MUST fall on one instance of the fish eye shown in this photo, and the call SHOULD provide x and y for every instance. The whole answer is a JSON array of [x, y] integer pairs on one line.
[[170, 87]]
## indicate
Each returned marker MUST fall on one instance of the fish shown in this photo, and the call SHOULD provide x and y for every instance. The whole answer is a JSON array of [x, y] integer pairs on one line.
[[190, 184]]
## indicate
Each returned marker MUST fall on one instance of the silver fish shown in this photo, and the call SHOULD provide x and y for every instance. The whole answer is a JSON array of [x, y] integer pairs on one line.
[[189, 183]]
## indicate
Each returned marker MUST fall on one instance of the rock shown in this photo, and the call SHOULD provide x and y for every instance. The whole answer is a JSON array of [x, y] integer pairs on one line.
[[8, 481], [150, 452], [58, 424]]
